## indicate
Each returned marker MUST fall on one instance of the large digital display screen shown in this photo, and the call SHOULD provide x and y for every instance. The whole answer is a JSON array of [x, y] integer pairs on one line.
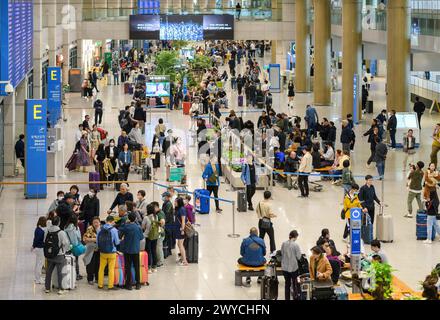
[[144, 27], [158, 89], [189, 27], [16, 29]]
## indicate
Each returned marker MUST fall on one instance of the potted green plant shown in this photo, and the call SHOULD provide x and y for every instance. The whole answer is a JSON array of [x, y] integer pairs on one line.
[[381, 280]]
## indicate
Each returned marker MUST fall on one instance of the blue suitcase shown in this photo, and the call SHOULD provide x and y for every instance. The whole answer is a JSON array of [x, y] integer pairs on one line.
[[421, 226], [201, 204], [341, 293]]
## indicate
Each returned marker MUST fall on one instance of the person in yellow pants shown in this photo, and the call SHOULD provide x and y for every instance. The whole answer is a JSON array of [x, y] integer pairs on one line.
[[107, 239], [435, 144]]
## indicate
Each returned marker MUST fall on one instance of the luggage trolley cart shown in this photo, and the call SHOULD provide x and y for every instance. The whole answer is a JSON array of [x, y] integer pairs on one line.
[[315, 186]]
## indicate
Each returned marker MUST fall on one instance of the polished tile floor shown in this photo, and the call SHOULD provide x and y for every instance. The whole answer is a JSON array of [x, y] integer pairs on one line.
[[213, 276]]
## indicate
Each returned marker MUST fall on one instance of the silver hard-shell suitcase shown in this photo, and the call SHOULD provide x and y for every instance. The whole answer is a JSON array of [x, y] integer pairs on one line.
[[68, 272], [384, 225]]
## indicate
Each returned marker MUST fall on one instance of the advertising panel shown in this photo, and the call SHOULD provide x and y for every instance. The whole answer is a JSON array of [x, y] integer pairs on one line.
[[54, 94]]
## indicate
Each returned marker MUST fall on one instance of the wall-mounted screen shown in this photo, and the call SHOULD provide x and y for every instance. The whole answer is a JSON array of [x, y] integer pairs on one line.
[[189, 27], [145, 27], [158, 89]]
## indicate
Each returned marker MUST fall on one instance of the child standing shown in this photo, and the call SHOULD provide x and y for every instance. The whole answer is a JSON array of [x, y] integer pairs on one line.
[[189, 209]]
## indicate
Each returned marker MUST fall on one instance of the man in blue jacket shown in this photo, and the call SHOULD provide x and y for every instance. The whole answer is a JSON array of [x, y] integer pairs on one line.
[[130, 246], [106, 240], [250, 179], [252, 251], [311, 119], [212, 178]]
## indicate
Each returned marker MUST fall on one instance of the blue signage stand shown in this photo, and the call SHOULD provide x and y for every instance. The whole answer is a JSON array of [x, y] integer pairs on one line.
[[356, 242], [54, 93], [185, 86], [36, 149]]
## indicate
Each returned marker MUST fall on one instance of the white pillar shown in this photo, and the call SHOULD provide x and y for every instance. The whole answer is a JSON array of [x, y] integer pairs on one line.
[[51, 10], [38, 49]]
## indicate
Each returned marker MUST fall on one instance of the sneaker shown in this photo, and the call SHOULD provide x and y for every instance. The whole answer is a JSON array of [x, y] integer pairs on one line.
[[251, 208], [154, 270], [138, 286], [427, 241], [113, 288], [159, 265], [46, 291], [408, 215], [100, 287], [79, 277], [61, 292], [368, 166], [345, 240], [150, 271], [218, 210], [128, 287], [91, 283], [182, 264]]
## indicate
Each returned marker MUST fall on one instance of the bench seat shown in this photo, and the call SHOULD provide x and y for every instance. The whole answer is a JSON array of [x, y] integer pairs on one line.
[[245, 271]]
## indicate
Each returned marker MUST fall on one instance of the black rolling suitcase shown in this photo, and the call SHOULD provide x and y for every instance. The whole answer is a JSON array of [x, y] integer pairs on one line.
[[119, 177], [370, 106], [323, 290], [241, 201], [192, 248], [146, 173], [269, 283]]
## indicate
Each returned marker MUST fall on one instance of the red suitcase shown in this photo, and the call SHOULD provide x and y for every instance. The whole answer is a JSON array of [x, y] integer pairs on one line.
[[126, 87], [94, 176]]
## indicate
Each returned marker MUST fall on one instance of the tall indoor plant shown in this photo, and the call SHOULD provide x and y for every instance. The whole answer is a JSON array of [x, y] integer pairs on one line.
[[381, 280]]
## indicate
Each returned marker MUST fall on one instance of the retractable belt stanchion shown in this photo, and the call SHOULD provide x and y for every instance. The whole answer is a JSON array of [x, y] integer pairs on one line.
[[233, 234]]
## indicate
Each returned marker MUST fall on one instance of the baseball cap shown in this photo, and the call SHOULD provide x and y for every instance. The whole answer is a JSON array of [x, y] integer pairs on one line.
[[166, 194]]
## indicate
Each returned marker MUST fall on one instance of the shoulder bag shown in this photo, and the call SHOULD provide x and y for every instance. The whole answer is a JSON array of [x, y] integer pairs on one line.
[[265, 222], [77, 250]]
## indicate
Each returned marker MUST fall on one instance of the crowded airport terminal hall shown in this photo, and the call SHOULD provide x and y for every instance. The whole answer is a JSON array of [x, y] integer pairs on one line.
[[239, 150]]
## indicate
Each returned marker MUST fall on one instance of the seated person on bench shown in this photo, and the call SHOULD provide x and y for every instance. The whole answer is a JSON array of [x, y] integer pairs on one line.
[[253, 250], [328, 155]]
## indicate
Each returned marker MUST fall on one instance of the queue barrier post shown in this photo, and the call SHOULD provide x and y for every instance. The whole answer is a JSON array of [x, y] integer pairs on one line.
[[233, 234]]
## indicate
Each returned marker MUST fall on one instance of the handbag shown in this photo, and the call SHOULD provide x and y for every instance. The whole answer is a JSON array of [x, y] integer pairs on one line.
[[343, 212], [189, 230], [77, 250], [266, 223]]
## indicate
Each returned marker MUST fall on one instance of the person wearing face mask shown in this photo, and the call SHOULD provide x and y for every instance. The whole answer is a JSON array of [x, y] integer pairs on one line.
[[89, 207], [351, 200], [112, 153], [56, 202], [169, 242], [141, 203]]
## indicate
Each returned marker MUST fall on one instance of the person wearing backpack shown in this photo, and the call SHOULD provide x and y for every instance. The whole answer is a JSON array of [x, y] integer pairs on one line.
[[159, 247], [347, 177], [212, 178], [56, 244], [132, 235], [107, 239], [151, 226], [170, 239]]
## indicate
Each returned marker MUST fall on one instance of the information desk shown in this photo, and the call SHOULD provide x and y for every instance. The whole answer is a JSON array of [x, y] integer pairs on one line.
[[234, 178]]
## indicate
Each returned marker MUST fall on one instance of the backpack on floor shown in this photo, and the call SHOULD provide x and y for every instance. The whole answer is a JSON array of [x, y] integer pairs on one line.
[[51, 245]]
